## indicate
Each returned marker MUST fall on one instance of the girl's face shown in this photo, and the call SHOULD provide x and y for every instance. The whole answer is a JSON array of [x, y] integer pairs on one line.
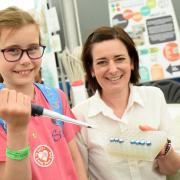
[[22, 72], [111, 66]]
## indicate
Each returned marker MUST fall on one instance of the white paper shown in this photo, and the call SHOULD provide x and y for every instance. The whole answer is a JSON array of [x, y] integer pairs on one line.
[[52, 20], [56, 43]]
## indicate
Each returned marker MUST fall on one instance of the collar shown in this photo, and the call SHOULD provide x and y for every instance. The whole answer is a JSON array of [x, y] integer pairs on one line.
[[97, 105], [136, 96]]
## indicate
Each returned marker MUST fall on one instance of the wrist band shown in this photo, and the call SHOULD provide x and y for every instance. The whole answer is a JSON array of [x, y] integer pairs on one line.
[[167, 148], [18, 155]]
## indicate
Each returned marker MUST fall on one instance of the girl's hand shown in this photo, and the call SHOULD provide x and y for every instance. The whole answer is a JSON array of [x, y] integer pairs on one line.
[[15, 109]]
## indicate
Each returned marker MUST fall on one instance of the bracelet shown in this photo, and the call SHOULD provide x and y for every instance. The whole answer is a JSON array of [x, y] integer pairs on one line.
[[18, 155], [167, 148]]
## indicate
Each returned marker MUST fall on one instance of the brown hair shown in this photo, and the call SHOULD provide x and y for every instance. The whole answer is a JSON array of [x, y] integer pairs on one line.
[[103, 34]]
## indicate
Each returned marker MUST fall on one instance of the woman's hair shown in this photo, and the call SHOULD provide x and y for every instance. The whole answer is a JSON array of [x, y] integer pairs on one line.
[[15, 18], [108, 33]]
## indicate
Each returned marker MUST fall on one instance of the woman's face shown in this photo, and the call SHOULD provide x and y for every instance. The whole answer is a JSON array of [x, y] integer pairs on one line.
[[111, 65], [21, 72]]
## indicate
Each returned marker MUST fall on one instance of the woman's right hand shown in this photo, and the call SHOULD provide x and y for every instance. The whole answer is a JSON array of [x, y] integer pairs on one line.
[[15, 109]]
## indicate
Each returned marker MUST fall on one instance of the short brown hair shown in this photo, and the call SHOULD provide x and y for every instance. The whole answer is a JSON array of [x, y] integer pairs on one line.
[[108, 33]]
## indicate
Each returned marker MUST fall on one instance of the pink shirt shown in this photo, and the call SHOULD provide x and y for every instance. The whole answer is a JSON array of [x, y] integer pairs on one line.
[[50, 155]]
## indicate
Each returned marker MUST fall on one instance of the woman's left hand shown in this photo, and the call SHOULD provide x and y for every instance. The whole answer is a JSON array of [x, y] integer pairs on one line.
[[146, 128], [168, 164]]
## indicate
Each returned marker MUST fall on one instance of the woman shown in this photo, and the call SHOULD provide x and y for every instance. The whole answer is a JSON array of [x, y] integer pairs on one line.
[[111, 64]]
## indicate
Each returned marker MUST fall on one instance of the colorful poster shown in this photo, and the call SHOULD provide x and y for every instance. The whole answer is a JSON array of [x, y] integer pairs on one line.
[[153, 27]]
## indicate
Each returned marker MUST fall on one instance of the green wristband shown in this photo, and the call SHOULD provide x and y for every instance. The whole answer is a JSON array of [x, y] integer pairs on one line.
[[18, 155]]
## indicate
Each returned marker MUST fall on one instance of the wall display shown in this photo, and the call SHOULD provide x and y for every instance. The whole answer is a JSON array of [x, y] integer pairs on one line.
[[52, 20], [153, 26]]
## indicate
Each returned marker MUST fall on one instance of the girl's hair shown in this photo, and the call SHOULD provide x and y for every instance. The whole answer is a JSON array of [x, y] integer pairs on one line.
[[108, 33]]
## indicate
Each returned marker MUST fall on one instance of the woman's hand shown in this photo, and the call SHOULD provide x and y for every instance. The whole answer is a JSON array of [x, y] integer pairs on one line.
[[165, 164], [146, 128]]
